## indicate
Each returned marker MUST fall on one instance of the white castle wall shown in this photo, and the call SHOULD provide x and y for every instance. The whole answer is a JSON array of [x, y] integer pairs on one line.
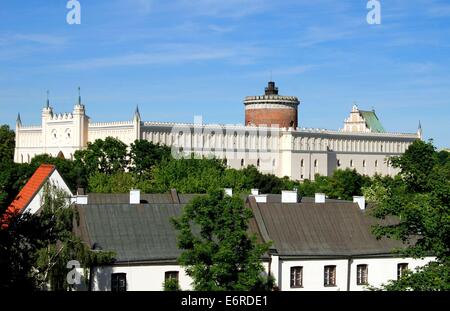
[[297, 153]]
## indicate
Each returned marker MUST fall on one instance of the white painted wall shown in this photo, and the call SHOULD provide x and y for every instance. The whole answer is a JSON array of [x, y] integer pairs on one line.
[[56, 180], [380, 270], [139, 278]]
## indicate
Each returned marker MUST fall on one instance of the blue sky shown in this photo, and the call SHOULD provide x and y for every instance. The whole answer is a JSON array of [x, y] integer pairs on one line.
[[180, 58]]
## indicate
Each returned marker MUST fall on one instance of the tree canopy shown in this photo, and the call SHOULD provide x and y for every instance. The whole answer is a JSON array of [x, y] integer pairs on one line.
[[218, 252], [419, 198]]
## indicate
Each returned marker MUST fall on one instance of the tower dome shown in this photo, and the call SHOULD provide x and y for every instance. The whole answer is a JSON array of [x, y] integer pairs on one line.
[[271, 109]]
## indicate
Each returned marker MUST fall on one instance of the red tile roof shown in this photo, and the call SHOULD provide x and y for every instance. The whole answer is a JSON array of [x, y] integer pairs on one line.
[[28, 192]]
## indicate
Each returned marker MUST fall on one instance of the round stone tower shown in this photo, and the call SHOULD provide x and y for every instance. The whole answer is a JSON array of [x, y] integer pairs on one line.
[[271, 109]]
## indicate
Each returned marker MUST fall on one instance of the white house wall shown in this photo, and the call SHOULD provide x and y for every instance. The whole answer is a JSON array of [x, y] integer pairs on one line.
[[54, 179]]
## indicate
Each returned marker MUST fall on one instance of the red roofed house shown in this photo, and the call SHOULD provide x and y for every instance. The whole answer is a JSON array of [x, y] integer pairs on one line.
[[30, 197]]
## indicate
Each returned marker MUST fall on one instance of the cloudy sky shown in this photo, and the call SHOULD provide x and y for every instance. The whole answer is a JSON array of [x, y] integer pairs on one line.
[[180, 58]]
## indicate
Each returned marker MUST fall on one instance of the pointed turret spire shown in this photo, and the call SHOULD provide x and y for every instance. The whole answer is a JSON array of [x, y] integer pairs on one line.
[[419, 130], [18, 121], [137, 114], [48, 100], [79, 96]]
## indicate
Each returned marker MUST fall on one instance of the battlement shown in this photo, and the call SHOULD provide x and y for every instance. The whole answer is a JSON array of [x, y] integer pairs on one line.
[[61, 116]]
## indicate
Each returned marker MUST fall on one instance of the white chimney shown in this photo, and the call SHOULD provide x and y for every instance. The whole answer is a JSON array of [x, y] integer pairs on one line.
[[261, 198], [361, 200], [319, 198], [135, 196], [289, 196], [79, 199], [255, 191], [229, 192]]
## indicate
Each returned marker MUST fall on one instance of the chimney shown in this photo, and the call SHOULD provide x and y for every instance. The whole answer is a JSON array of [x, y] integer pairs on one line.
[[255, 191], [135, 196], [81, 199], [361, 200], [319, 198], [229, 192], [261, 198], [289, 196]]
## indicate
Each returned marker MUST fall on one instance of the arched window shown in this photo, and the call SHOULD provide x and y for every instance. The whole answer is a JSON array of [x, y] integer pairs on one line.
[[225, 161], [376, 163], [302, 163], [257, 163], [364, 163], [315, 163], [338, 162], [351, 163], [242, 162]]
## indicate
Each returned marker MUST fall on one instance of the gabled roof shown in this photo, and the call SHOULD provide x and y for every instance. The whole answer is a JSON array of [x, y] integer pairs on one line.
[[144, 232], [32, 187], [316, 230], [372, 121]]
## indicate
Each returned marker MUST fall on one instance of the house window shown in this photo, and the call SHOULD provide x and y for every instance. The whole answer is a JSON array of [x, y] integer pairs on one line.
[[401, 269], [118, 282], [362, 275], [296, 277], [171, 275], [329, 276]]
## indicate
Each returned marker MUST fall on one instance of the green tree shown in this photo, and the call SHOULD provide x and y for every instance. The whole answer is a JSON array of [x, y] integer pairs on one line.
[[36, 248], [7, 144], [144, 155], [105, 156], [421, 205], [218, 252], [171, 285]]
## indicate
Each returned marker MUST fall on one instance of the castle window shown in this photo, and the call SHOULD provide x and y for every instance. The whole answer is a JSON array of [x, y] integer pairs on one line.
[[257, 163], [381, 148], [302, 163], [338, 163], [376, 163], [225, 161], [273, 162], [351, 163], [292, 124], [315, 163], [364, 163], [242, 162]]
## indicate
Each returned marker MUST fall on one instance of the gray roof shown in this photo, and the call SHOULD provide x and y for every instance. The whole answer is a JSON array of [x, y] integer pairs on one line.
[[141, 232], [144, 232], [146, 198], [329, 229]]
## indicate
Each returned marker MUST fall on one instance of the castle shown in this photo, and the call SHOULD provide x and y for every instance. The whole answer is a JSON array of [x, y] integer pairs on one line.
[[270, 139]]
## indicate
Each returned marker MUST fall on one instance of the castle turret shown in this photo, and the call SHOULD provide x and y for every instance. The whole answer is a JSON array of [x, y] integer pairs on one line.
[[419, 131], [81, 123], [271, 109], [137, 123]]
